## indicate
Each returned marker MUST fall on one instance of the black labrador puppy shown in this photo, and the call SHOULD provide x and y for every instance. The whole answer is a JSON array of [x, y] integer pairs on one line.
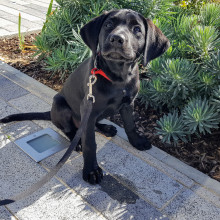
[[117, 38]]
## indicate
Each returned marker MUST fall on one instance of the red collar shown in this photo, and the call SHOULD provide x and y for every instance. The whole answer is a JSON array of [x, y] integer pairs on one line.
[[96, 71]]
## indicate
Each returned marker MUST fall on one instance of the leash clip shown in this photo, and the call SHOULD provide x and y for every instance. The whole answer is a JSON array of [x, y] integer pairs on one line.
[[92, 81]]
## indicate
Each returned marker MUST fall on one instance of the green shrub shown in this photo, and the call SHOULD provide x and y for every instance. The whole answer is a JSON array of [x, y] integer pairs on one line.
[[172, 128], [215, 98], [200, 116], [210, 15], [204, 40]]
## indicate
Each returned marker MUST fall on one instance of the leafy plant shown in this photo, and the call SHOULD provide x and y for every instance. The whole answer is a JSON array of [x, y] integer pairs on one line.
[[153, 93], [204, 40], [192, 5], [200, 116], [216, 98], [148, 8], [213, 65], [206, 83], [180, 77], [20, 36], [172, 128], [210, 15], [49, 12]]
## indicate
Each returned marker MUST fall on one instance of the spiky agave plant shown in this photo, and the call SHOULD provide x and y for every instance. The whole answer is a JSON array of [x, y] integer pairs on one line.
[[213, 65], [206, 83], [210, 15], [154, 93], [204, 40], [180, 76], [172, 128], [200, 116], [215, 99]]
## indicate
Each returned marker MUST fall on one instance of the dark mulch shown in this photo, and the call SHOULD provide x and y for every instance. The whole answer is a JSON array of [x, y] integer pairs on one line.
[[201, 153]]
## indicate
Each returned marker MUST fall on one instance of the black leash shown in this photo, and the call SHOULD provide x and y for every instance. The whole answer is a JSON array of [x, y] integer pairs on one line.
[[62, 161]]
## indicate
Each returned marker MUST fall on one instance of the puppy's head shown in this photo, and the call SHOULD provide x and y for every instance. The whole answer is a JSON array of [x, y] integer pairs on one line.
[[123, 35]]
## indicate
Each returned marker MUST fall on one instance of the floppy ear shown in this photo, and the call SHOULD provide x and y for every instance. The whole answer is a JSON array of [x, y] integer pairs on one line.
[[156, 43], [90, 31]]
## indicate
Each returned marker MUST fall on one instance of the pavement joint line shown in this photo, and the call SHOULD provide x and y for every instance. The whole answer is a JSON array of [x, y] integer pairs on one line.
[[10, 212], [71, 189], [22, 25], [15, 12], [202, 196], [169, 201], [150, 163]]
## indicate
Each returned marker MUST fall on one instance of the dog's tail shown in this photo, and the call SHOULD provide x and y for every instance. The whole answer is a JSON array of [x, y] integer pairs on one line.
[[27, 116]]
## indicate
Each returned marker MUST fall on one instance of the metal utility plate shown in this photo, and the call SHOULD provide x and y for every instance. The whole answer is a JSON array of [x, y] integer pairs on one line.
[[42, 144]]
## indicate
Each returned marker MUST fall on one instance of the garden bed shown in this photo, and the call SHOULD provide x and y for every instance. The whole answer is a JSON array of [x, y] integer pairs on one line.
[[201, 153]]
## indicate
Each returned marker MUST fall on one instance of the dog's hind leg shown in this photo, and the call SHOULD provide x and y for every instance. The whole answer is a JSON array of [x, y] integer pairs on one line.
[[62, 118], [107, 130]]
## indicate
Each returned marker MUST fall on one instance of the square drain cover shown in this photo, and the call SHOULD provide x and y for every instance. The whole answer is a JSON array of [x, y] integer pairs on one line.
[[42, 144]]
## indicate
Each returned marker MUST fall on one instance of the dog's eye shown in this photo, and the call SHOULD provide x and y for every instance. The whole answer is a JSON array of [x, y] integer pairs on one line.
[[136, 29], [109, 25]]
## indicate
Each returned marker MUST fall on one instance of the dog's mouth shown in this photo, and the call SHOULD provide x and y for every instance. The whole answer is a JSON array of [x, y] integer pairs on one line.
[[116, 56]]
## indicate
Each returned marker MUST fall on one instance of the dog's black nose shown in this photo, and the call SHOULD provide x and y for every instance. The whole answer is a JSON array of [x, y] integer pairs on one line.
[[117, 40]]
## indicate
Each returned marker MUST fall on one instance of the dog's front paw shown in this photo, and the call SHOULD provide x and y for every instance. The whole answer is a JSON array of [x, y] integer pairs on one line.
[[140, 143], [93, 177], [107, 130]]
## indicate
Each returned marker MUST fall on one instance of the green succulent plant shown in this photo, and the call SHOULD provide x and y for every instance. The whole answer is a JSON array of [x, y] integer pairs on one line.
[[213, 64], [207, 82], [215, 99], [172, 128], [200, 116], [180, 76], [204, 41], [210, 15], [153, 92]]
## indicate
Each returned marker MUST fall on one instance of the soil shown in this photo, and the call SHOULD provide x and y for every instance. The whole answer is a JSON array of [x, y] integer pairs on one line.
[[201, 153]]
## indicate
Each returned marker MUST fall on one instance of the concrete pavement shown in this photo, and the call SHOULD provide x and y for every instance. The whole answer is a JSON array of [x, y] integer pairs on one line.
[[33, 15]]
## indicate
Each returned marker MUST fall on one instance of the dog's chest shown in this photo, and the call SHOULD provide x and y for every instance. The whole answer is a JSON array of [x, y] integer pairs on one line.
[[120, 97]]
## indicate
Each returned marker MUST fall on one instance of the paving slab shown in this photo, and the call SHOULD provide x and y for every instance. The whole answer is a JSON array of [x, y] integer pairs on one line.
[[6, 109], [33, 16], [5, 214], [30, 103], [9, 90], [188, 205], [154, 161], [33, 86], [111, 198], [19, 129], [206, 194], [149, 181]]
